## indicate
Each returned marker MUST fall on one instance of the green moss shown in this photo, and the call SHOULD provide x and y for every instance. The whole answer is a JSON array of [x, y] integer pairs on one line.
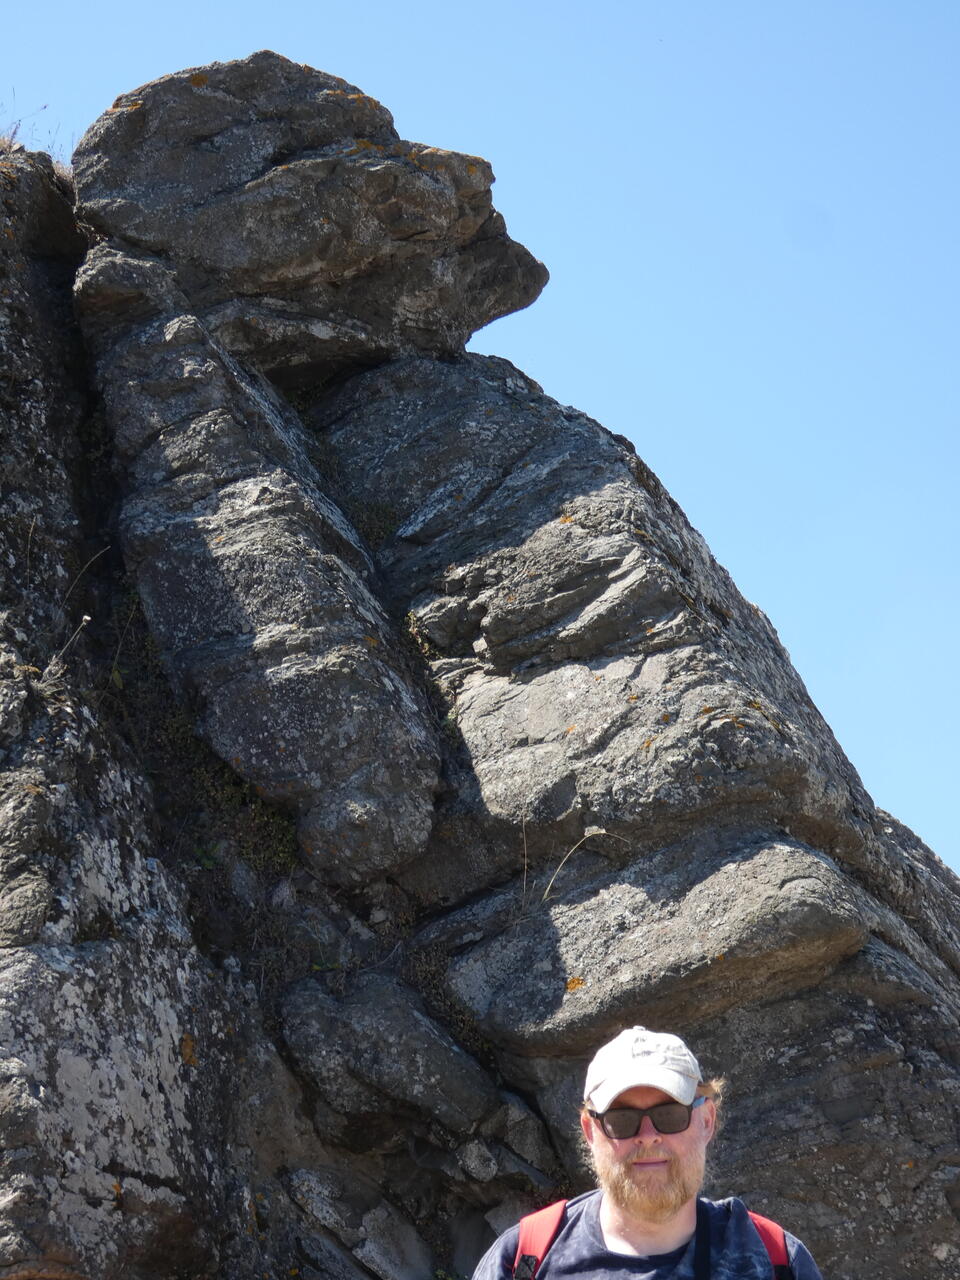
[[199, 790], [425, 969], [210, 819], [377, 522]]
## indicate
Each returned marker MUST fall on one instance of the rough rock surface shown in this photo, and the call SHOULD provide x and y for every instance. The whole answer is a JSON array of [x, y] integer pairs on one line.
[[601, 668], [98, 972], [546, 772], [254, 583], [308, 233]]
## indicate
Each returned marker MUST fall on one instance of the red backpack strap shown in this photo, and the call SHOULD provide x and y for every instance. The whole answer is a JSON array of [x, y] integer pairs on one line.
[[771, 1233], [537, 1231]]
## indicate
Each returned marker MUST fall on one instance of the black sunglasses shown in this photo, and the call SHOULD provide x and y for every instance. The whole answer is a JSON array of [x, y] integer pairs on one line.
[[666, 1117]]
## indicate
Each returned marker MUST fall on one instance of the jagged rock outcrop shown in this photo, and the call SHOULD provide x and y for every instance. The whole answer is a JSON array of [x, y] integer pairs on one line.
[[254, 582], [308, 234], [601, 669], [547, 772], [101, 983]]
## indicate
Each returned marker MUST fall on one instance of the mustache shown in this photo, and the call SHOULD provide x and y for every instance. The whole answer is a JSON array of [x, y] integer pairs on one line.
[[644, 1153]]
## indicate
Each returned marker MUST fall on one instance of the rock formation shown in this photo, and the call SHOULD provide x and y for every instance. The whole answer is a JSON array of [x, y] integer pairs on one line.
[[378, 737]]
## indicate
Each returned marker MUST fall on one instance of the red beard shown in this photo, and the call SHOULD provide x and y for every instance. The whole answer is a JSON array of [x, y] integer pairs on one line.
[[652, 1195]]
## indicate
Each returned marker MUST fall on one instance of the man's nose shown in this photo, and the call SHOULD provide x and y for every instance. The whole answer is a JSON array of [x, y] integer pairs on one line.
[[647, 1131]]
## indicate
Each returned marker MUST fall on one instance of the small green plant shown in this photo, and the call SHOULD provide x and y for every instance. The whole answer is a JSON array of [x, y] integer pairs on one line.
[[418, 637]]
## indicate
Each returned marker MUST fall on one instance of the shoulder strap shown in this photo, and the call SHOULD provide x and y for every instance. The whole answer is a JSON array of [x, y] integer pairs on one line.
[[771, 1233], [537, 1231]]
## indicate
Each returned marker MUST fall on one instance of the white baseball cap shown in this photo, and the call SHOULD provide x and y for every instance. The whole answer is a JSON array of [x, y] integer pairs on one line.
[[640, 1057]]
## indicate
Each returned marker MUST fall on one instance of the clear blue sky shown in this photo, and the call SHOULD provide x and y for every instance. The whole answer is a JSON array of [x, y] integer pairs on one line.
[[749, 210]]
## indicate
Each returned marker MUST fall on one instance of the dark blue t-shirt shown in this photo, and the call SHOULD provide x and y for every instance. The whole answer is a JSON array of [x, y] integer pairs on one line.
[[578, 1249]]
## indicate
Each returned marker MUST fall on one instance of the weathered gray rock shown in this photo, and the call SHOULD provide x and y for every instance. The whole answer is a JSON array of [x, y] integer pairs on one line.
[[144, 1116], [864, 1091], [377, 1050], [309, 236], [687, 937], [600, 668], [630, 750], [353, 1209], [41, 398], [255, 585], [551, 773], [103, 1148]]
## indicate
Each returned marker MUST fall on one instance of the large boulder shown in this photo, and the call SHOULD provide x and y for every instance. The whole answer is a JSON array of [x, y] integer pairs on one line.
[[306, 233], [255, 584]]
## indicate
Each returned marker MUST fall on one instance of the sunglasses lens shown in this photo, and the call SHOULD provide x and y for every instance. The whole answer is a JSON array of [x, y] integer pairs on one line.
[[671, 1117], [625, 1122]]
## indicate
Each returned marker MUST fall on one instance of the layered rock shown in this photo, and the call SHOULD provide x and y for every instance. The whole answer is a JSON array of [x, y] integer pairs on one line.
[[550, 773], [255, 584], [308, 234], [149, 1126], [601, 669], [102, 1050]]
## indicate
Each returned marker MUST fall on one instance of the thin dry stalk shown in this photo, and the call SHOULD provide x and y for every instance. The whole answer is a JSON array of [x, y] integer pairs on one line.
[[588, 835], [100, 553]]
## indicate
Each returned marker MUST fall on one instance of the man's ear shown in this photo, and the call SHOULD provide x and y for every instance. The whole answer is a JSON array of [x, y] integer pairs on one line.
[[709, 1119]]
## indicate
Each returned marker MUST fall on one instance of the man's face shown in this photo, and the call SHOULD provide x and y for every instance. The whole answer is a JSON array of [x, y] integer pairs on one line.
[[651, 1175]]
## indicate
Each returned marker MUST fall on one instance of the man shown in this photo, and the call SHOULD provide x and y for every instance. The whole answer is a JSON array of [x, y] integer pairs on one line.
[[647, 1118]]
